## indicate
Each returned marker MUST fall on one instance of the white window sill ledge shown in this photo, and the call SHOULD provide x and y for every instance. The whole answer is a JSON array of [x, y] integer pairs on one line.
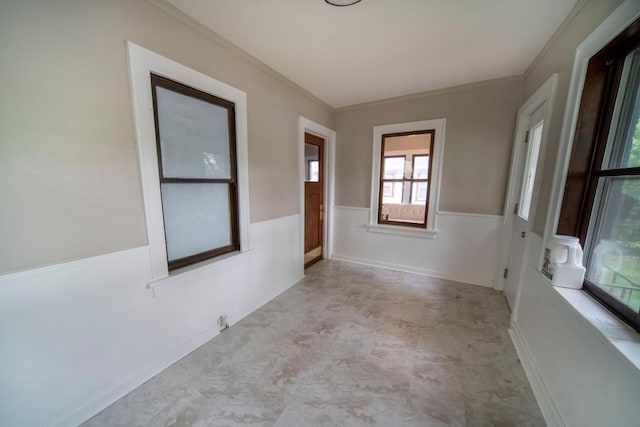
[[197, 272], [612, 330], [399, 230]]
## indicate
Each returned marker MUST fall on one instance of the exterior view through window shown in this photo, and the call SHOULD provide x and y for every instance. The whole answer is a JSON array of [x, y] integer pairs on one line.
[[602, 197], [405, 177], [196, 143]]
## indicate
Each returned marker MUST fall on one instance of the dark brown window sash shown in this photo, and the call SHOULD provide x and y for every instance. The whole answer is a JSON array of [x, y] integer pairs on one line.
[[597, 104], [410, 180], [159, 81]]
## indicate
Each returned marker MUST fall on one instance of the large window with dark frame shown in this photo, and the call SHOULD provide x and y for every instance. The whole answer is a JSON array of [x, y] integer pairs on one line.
[[601, 203], [196, 146], [405, 170]]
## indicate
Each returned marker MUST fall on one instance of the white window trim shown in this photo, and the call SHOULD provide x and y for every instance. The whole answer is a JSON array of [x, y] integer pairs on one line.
[[439, 125], [142, 62], [614, 331]]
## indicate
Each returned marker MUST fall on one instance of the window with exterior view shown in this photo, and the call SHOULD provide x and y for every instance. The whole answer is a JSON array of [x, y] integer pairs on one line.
[[405, 177], [601, 204]]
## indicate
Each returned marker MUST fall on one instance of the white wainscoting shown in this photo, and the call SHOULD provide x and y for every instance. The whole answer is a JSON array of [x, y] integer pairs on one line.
[[465, 248], [578, 376], [77, 336]]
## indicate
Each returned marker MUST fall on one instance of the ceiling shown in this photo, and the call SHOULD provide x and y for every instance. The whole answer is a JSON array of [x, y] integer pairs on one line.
[[380, 49]]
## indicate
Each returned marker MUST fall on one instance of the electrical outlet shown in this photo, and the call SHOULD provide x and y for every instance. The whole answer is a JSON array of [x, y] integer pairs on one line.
[[222, 322]]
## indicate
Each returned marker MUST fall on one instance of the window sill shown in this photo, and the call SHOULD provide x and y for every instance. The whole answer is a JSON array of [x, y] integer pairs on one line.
[[196, 272], [399, 230], [617, 333]]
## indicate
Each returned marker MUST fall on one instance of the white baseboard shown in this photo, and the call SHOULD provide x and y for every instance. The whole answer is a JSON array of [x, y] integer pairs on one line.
[[415, 270], [110, 396], [547, 405], [54, 320], [465, 250]]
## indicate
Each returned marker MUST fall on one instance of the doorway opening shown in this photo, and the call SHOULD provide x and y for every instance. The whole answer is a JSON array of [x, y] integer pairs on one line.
[[522, 191], [313, 198]]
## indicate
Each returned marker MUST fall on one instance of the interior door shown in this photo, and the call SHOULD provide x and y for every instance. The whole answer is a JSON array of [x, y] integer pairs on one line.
[[522, 209], [313, 198]]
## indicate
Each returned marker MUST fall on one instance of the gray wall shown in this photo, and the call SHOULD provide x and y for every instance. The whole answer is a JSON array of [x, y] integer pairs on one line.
[[558, 58], [68, 164], [479, 134]]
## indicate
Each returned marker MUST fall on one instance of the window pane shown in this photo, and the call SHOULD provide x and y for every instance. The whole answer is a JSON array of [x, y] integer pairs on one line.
[[406, 157], [196, 218], [419, 193], [530, 171], [420, 167], [624, 139], [614, 261], [392, 192], [394, 167], [194, 136], [312, 160]]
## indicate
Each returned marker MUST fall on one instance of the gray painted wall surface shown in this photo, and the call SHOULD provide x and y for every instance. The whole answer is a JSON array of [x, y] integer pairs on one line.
[[480, 125], [68, 163]]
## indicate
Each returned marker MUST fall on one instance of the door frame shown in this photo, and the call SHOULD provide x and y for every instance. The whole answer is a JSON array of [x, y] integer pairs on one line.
[[329, 136], [545, 94]]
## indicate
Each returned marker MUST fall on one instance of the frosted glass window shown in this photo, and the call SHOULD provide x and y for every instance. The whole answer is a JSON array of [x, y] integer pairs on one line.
[[196, 218], [196, 148], [194, 136]]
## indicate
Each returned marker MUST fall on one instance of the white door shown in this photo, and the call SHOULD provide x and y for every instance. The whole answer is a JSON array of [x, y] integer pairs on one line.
[[526, 170]]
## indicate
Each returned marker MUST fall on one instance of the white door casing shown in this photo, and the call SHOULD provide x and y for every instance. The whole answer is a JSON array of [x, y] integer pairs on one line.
[[542, 102], [329, 136], [526, 165]]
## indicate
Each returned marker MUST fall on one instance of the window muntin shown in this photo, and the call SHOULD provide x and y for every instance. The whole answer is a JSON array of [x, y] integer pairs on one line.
[[601, 204], [195, 134], [405, 178]]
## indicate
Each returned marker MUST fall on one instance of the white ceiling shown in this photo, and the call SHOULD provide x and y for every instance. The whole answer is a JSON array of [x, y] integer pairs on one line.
[[379, 49]]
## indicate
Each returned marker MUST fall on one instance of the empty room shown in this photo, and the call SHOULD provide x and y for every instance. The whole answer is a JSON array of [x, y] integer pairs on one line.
[[320, 213]]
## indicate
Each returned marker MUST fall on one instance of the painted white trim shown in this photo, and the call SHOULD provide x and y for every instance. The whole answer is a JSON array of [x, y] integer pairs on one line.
[[448, 213], [619, 19], [197, 272], [469, 214], [142, 62], [466, 249], [409, 269], [97, 404], [105, 399], [352, 208], [546, 402], [84, 306], [399, 230], [7, 279], [329, 136], [544, 95], [439, 125]]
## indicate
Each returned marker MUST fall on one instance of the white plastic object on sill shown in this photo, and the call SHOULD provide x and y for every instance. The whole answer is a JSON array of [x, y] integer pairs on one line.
[[563, 262]]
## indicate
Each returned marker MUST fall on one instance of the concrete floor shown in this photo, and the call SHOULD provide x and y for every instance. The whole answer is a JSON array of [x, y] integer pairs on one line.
[[348, 346]]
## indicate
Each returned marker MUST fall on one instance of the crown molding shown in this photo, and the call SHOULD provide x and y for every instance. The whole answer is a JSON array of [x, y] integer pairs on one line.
[[221, 41], [431, 93], [580, 4]]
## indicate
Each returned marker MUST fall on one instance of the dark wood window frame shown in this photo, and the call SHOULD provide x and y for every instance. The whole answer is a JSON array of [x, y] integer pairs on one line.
[[159, 81], [413, 171], [597, 105], [410, 180]]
